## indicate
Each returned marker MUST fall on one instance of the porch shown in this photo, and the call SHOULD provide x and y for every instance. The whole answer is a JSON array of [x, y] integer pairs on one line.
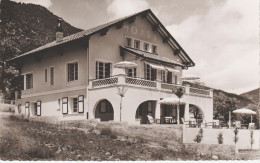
[[142, 99]]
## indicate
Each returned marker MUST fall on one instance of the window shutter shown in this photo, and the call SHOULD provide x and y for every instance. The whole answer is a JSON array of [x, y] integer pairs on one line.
[[65, 105], [27, 111], [39, 108], [81, 104]]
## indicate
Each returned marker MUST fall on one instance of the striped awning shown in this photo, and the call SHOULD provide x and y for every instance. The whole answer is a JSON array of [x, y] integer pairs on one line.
[[172, 101]]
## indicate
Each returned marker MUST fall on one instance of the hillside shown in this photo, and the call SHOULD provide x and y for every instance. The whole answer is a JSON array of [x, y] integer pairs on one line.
[[252, 95], [27, 26], [24, 27]]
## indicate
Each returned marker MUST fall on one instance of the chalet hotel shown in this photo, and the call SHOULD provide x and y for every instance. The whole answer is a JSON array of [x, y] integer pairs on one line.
[[124, 70]]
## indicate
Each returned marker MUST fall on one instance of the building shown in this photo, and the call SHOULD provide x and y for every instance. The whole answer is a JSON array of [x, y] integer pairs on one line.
[[75, 77]]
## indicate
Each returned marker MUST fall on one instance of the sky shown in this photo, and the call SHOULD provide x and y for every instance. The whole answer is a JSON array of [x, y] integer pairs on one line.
[[220, 36]]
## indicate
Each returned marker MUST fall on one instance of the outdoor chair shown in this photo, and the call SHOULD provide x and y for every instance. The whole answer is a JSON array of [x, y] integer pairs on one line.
[[251, 126], [185, 122], [192, 123], [238, 124], [150, 119], [216, 123]]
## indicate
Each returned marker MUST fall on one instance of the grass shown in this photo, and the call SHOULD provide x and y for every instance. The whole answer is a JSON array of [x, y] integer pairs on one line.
[[30, 140]]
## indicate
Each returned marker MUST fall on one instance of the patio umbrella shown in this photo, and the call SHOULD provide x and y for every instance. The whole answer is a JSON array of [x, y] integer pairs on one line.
[[190, 77], [172, 101], [245, 111], [125, 64]]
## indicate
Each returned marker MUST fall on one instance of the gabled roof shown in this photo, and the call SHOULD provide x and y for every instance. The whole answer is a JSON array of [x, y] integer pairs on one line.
[[148, 55], [87, 33]]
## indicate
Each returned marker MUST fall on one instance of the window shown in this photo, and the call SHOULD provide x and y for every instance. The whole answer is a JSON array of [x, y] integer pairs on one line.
[[150, 73], [65, 105], [169, 77], [45, 75], [146, 47], [131, 72], [75, 105], [103, 70], [81, 104], [29, 81], [72, 71], [52, 76], [137, 44], [164, 79], [128, 42], [154, 49]]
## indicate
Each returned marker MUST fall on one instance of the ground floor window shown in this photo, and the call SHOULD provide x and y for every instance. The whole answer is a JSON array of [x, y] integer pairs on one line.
[[27, 111], [65, 105], [38, 106], [75, 105], [81, 104]]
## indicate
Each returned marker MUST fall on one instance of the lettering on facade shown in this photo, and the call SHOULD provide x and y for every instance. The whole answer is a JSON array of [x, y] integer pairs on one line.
[[143, 33]]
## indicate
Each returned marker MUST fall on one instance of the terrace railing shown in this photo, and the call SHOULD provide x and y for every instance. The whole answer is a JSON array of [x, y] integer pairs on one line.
[[106, 81], [140, 82]]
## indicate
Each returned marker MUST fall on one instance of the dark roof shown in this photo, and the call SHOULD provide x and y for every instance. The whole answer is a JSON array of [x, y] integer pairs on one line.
[[87, 33], [148, 55]]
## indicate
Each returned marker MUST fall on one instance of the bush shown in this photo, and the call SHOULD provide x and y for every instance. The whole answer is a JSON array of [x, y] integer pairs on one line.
[[220, 138], [199, 136], [235, 138], [106, 131], [251, 138], [157, 155], [40, 152], [164, 144]]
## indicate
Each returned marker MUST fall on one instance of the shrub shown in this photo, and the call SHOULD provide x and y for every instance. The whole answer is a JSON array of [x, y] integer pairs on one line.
[[106, 131], [40, 152], [157, 155], [164, 144], [220, 138], [199, 136], [251, 138], [235, 138]]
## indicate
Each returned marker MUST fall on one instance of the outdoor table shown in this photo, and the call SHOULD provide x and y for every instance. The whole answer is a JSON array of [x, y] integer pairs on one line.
[[244, 126], [168, 120]]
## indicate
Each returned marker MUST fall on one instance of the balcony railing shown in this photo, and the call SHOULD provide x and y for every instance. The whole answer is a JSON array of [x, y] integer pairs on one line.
[[138, 82], [103, 82]]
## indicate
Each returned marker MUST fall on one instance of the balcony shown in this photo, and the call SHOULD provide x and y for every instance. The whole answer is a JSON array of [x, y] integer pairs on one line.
[[146, 84]]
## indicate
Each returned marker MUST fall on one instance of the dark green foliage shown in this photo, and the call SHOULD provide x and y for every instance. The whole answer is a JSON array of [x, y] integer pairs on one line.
[[23, 27], [220, 138]]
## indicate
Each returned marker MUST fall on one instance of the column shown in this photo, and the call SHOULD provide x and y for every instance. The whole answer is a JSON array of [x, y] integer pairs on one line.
[[186, 112], [178, 114], [157, 110]]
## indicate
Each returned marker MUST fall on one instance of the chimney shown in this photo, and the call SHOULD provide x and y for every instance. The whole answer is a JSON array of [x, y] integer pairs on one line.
[[59, 31]]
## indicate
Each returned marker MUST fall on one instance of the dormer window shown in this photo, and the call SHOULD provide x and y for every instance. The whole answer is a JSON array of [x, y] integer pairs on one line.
[[137, 44], [154, 49], [146, 46], [128, 41]]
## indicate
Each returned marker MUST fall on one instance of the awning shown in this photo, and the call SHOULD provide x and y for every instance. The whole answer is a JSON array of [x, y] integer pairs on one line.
[[244, 111], [172, 70], [155, 66], [172, 101], [125, 64]]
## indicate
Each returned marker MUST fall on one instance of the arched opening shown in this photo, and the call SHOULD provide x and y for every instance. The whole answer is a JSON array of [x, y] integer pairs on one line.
[[104, 111], [171, 111], [144, 109], [195, 113]]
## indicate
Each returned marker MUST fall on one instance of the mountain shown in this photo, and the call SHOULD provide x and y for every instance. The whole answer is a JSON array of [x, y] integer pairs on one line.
[[252, 95], [27, 26], [23, 27]]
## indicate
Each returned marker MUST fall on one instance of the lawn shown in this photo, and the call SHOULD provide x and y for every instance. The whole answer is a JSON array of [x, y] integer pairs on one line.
[[21, 139]]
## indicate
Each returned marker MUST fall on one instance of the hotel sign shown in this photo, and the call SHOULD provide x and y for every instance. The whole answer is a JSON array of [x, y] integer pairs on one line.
[[140, 32]]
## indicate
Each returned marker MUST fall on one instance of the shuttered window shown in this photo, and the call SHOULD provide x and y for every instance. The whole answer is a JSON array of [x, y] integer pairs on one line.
[[131, 72], [150, 73], [27, 111]]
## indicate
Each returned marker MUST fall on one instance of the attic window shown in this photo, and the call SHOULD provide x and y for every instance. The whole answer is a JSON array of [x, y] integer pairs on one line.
[[154, 49], [137, 44], [146, 46]]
